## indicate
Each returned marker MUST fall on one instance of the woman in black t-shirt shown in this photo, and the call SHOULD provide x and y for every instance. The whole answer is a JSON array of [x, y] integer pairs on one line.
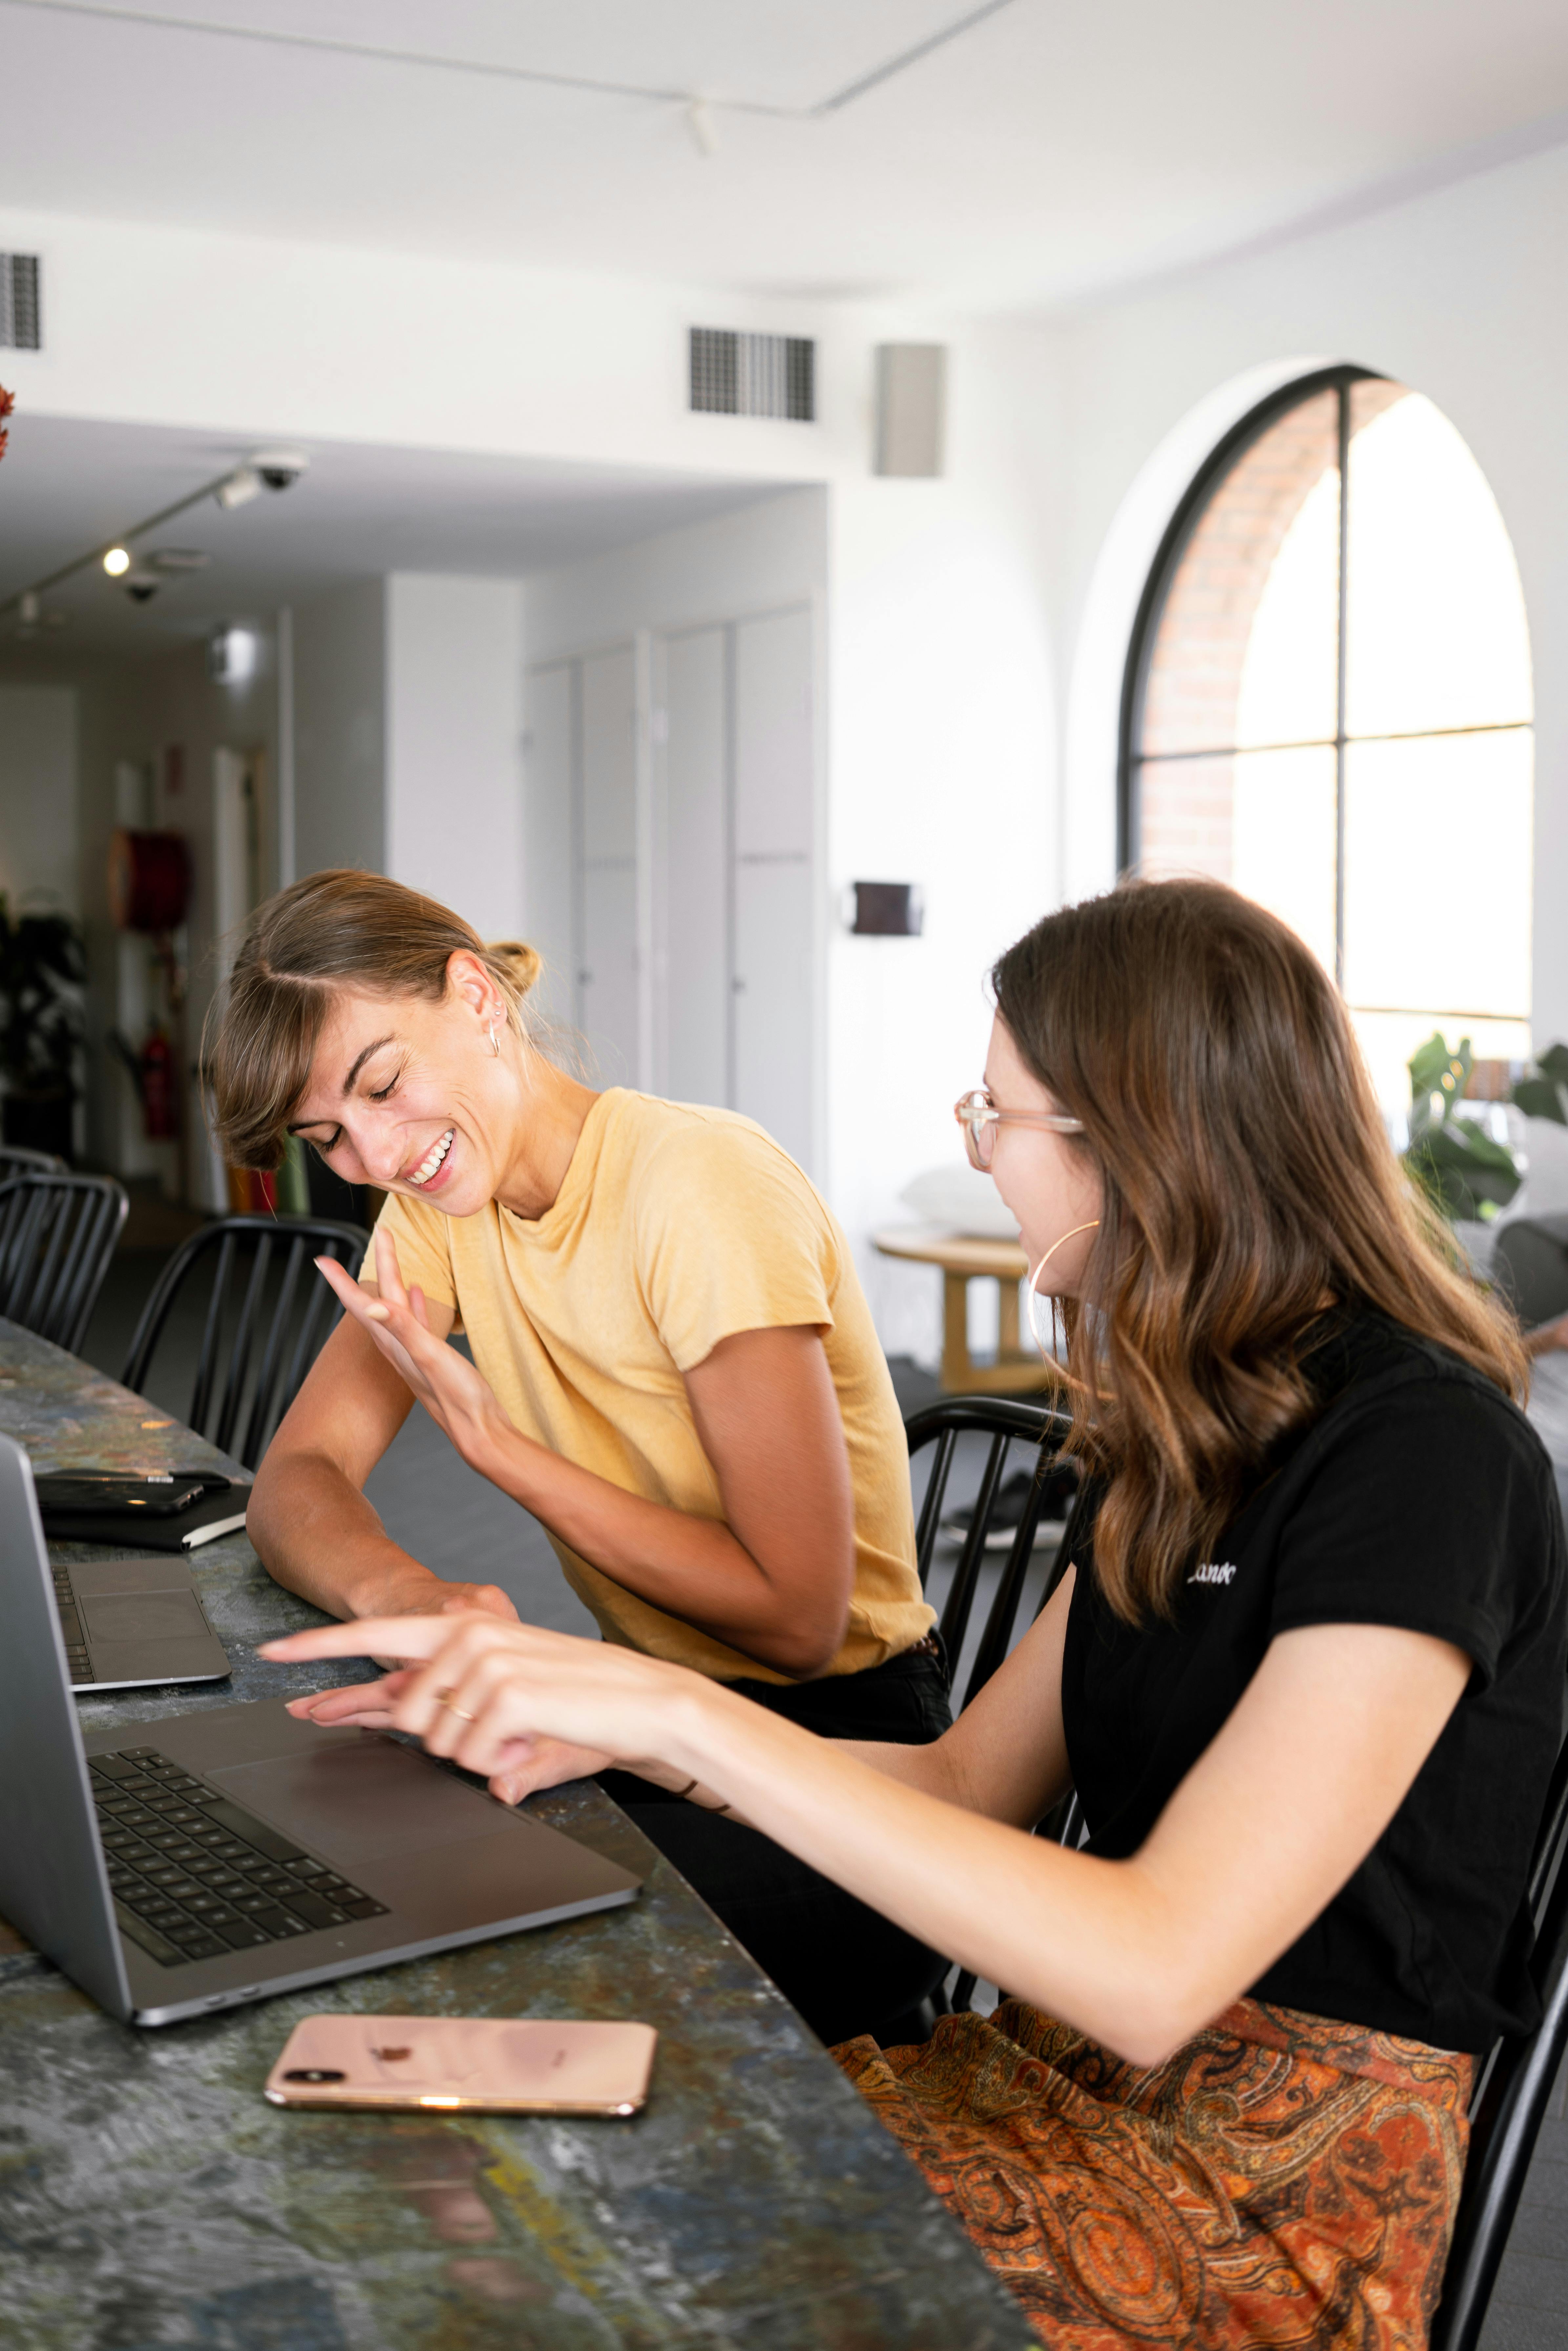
[[1305, 1669]]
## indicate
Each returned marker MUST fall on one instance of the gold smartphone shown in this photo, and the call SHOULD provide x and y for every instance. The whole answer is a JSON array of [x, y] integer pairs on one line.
[[446, 2064]]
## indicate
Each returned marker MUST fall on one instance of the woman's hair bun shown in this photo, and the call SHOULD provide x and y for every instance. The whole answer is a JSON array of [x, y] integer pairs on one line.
[[522, 962]]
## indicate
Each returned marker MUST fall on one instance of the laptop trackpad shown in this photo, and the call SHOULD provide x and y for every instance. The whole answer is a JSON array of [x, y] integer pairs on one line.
[[142, 1615], [362, 1801]]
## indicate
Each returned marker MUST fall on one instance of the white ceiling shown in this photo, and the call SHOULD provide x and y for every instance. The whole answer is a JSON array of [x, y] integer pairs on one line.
[[1051, 149], [68, 487]]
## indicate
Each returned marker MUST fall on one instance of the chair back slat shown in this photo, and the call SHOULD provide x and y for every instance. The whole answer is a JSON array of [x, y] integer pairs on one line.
[[73, 1241], [58, 1233], [321, 1317], [966, 1574], [997, 1638], [164, 1296], [237, 1373], [276, 1338], [931, 1507], [34, 1242], [266, 1318], [1004, 1420]]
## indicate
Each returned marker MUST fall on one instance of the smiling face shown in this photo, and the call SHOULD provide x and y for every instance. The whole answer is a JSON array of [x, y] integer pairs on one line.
[[411, 1096], [1049, 1181]]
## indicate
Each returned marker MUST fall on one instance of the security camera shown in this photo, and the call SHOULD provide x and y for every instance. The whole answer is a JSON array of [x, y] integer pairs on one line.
[[140, 586], [280, 469]]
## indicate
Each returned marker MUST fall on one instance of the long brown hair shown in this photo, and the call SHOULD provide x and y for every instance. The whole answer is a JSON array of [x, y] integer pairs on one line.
[[335, 930], [1249, 1181]]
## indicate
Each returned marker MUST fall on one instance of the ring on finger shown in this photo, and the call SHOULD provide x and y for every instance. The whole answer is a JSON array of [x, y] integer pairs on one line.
[[445, 1697]]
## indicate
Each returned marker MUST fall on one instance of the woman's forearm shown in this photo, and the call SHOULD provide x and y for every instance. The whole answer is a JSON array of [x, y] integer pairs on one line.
[[317, 1535], [693, 1567], [1093, 1942]]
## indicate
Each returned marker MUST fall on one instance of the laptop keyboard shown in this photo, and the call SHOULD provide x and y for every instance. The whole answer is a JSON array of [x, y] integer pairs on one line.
[[71, 1625], [194, 1875]]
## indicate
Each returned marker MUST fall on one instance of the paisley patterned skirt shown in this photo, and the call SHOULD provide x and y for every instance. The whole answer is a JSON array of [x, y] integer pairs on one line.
[[1280, 2180]]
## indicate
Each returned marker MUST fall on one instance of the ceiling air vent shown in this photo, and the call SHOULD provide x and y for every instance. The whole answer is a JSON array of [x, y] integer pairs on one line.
[[19, 302], [754, 375]]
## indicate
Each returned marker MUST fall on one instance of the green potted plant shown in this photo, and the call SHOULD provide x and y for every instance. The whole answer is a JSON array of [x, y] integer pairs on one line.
[[1464, 1171], [1543, 1090], [42, 967]]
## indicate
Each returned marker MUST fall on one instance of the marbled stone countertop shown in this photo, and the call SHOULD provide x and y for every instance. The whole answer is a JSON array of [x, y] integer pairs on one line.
[[149, 2196]]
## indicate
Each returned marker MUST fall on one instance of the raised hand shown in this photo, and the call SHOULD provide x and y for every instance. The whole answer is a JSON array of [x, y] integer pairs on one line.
[[457, 1398]]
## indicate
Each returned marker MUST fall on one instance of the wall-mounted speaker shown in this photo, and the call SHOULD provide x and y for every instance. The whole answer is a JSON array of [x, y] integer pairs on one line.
[[911, 408]]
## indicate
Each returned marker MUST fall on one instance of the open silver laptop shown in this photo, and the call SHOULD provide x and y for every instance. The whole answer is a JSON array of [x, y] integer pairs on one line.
[[129, 1621], [201, 1860]]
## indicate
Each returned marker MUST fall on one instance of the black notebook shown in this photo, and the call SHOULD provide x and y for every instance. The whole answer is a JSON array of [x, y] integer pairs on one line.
[[177, 1511]]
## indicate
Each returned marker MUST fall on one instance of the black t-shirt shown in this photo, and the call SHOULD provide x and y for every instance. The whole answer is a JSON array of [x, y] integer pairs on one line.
[[1420, 1497]]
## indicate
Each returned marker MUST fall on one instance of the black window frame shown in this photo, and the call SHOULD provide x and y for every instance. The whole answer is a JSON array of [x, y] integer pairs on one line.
[[1189, 512]]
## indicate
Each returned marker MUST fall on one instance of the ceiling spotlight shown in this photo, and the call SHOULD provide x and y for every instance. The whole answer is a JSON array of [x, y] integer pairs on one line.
[[280, 469], [173, 559], [141, 586], [116, 561], [238, 489]]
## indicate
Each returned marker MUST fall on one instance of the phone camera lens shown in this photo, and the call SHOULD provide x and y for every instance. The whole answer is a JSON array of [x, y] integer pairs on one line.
[[313, 2073]]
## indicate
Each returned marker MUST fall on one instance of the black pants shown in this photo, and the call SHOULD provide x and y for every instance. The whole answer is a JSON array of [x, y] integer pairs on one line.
[[846, 1969]]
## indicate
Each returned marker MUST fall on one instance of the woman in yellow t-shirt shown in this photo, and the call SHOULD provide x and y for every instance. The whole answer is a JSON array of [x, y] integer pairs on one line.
[[674, 1369]]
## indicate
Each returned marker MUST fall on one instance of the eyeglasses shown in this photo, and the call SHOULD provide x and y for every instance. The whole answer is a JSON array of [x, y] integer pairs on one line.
[[978, 1117]]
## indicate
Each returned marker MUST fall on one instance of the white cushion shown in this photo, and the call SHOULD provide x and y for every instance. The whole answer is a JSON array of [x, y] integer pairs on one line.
[[959, 1200]]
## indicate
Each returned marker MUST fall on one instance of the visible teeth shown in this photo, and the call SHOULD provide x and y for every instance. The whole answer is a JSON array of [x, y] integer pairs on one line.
[[427, 1169]]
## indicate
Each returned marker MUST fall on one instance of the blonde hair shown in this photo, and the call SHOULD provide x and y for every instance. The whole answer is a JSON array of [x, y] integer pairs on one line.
[[337, 930]]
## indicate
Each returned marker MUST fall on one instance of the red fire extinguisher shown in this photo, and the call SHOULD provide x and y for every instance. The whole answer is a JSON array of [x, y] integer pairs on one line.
[[159, 1102]]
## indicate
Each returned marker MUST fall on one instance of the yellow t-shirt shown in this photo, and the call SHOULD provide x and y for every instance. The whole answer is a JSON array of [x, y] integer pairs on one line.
[[674, 1228]]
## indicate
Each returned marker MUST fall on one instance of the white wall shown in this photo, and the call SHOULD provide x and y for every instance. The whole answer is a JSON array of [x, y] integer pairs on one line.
[[943, 772], [40, 848], [939, 755], [340, 728], [1457, 294], [257, 336], [772, 553], [454, 819]]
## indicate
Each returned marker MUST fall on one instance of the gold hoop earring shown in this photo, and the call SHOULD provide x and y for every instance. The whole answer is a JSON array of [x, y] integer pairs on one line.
[[1092, 1226], [494, 1039]]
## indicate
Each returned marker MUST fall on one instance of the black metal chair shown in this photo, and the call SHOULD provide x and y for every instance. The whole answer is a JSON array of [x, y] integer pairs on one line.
[[1006, 1422], [16, 1159], [57, 1234], [1511, 2095], [269, 1315]]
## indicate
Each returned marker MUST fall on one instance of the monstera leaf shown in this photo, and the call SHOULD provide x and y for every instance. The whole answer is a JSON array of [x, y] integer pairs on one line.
[[1462, 1170], [1543, 1092]]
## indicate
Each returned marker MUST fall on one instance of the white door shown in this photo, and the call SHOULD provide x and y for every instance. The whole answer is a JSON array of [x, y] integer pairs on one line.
[[692, 891], [549, 863], [774, 905], [607, 1001], [774, 884]]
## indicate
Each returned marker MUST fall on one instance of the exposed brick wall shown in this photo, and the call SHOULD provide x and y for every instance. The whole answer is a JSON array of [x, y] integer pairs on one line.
[[1194, 683]]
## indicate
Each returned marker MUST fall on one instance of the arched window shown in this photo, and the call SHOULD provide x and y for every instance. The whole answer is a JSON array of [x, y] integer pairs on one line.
[[1327, 704]]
